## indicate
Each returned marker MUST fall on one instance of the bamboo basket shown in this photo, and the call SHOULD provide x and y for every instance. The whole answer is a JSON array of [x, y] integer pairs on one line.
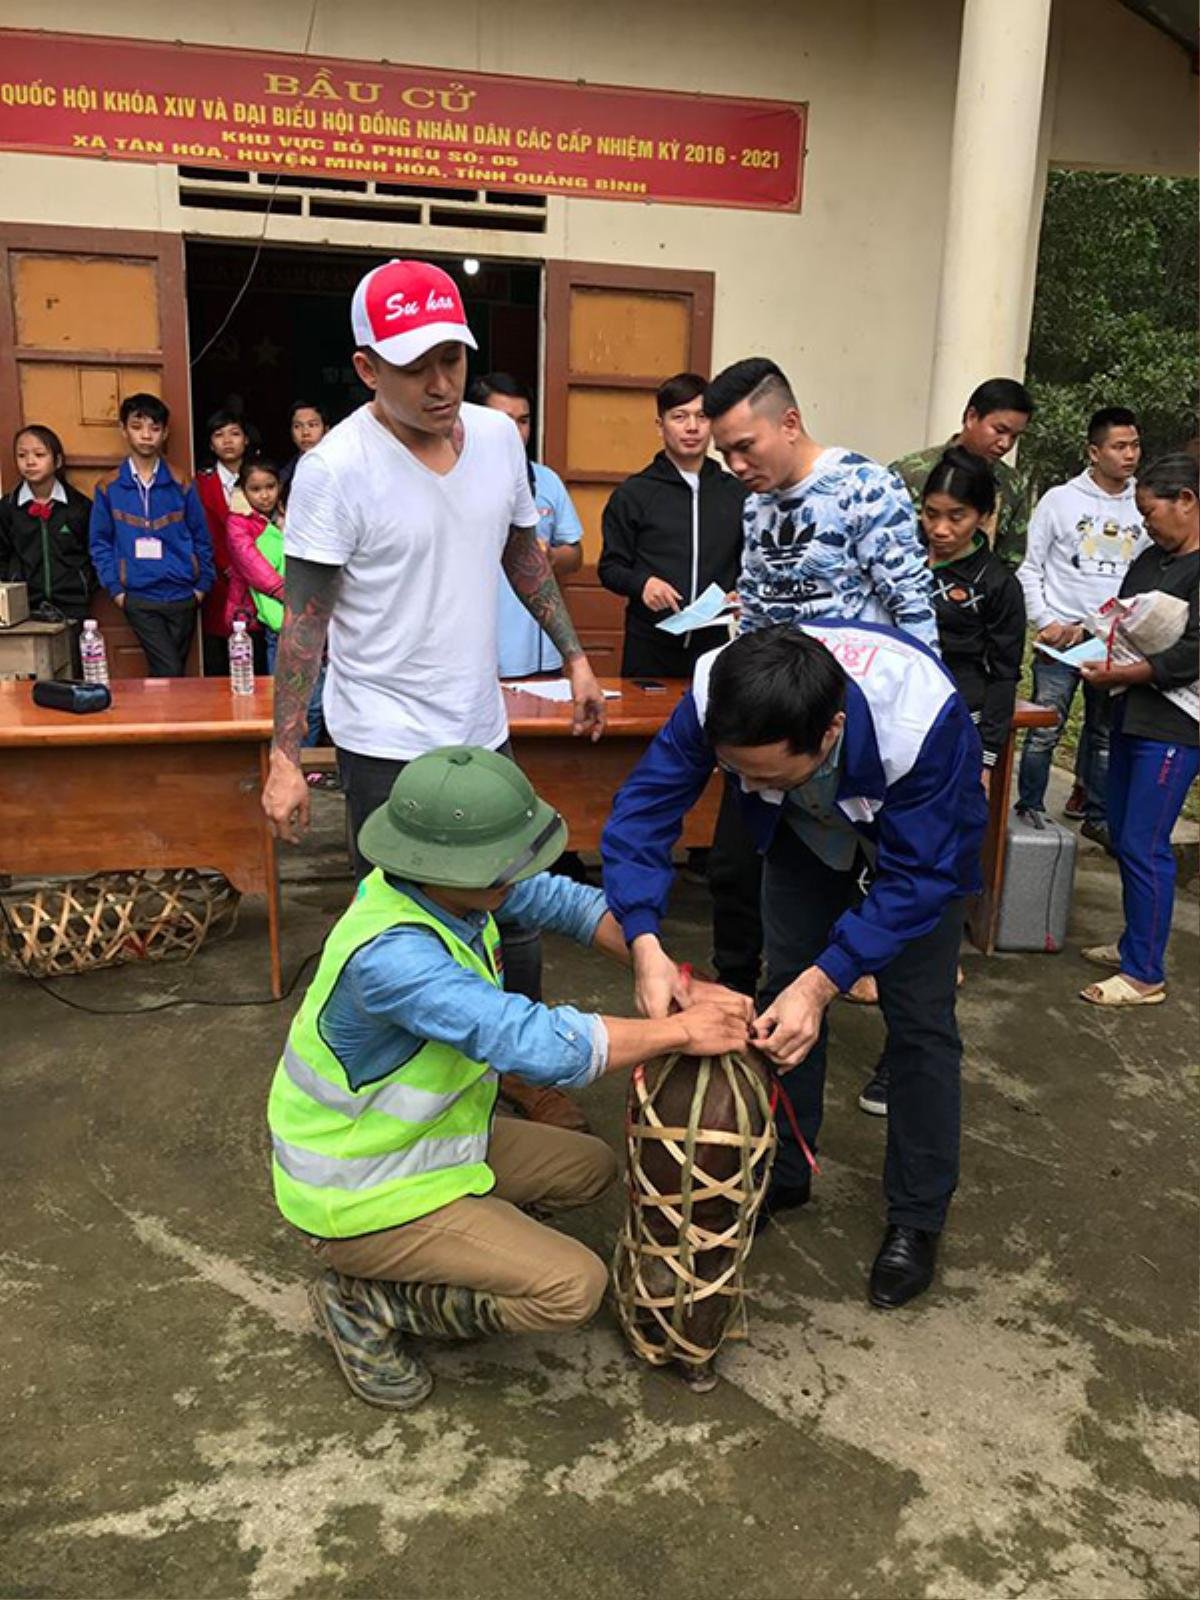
[[54, 926]]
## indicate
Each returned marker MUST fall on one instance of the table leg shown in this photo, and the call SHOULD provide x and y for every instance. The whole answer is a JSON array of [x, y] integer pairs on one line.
[[271, 867], [985, 913]]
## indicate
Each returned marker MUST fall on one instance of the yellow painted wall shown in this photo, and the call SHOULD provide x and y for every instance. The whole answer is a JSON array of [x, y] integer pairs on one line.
[[843, 295]]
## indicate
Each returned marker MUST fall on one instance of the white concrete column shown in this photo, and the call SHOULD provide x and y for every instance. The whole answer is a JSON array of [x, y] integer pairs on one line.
[[981, 319]]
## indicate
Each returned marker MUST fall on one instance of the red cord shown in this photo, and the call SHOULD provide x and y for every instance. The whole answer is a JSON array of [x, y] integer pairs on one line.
[[777, 1090], [778, 1094]]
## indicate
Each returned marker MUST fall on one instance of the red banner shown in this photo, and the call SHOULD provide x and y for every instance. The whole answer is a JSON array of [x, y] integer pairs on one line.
[[136, 100]]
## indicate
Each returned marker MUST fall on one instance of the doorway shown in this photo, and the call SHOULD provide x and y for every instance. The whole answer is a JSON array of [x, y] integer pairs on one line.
[[289, 337]]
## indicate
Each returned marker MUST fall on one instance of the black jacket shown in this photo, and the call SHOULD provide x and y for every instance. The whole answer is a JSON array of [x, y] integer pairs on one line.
[[647, 529], [981, 628], [1148, 714], [51, 556]]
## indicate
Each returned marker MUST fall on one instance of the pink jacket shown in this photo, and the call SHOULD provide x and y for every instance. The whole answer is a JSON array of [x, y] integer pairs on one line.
[[248, 568]]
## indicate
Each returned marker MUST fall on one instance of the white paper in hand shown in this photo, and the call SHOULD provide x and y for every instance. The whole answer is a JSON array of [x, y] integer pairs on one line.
[[708, 608]]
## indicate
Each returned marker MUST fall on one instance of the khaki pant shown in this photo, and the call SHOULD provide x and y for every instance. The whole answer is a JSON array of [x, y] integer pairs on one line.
[[541, 1279]]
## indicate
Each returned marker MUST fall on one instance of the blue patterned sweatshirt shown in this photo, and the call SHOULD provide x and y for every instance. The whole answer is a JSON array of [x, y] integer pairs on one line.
[[842, 542]]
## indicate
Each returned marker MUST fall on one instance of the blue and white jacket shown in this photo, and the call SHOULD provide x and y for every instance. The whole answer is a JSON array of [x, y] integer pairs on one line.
[[842, 542], [150, 542], [909, 783]]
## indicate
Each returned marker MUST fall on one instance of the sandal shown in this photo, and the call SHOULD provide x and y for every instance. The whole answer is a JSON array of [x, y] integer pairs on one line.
[[1103, 955], [1118, 991]]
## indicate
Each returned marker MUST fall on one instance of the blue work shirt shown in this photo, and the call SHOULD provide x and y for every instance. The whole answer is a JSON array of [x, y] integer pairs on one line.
[[524, 647], [404, 988]]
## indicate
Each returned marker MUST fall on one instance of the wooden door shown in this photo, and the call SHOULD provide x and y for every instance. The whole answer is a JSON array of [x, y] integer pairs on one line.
[[613, 335], [86, 318]]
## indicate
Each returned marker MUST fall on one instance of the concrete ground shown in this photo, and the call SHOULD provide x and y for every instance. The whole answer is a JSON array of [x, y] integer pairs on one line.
[[173, 1428]]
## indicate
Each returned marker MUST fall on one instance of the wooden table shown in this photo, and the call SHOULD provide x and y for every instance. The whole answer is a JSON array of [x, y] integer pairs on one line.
[[579, 778], [984, 915], [170, 776]]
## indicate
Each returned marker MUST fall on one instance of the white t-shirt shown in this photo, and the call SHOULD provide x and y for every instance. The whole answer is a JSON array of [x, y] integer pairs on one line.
[[412, 638]]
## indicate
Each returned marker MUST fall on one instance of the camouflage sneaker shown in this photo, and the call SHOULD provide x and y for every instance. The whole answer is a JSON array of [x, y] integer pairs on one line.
[[373, 1361]]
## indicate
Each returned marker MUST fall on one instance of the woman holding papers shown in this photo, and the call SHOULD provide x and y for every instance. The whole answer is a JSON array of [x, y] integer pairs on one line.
[[1154, 755]]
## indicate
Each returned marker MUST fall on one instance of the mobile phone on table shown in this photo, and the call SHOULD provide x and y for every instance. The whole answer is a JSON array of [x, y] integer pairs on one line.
[[650, 685]]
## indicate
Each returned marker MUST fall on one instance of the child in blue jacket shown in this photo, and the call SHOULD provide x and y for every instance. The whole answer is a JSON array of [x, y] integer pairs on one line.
[[150, 543]]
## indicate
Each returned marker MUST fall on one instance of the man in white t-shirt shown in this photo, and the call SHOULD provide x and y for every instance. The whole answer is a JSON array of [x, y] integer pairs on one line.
[[401, 523]]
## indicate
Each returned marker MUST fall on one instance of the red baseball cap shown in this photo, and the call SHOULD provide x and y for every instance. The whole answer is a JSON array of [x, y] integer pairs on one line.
[[404, 308]]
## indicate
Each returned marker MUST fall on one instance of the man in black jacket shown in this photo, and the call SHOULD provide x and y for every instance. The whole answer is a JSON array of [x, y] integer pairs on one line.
[[670, 531]]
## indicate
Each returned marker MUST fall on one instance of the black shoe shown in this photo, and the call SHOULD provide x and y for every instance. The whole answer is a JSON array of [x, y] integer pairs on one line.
[[904, 1266], [1098, 833], [873, 1096], [782, 1197]]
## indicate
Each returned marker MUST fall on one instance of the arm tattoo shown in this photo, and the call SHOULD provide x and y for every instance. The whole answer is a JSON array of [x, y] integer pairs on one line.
[[528, 569], [310, 590]]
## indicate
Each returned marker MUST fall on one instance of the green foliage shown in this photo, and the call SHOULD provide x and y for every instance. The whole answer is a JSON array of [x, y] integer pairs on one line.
[[1114, 320]]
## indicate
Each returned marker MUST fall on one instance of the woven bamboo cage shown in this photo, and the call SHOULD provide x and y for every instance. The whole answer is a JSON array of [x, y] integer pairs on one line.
[[54, 926], [657, 1310]]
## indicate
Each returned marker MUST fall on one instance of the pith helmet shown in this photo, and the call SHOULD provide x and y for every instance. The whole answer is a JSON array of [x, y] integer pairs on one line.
[[465, 818]]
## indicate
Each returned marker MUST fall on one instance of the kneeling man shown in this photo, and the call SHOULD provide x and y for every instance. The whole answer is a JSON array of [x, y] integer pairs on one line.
[[838, 736], [385, 1152]]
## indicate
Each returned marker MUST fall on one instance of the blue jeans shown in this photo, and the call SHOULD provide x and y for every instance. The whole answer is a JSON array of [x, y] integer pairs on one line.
[[316, 717], [1054, 684], [1147, 784]]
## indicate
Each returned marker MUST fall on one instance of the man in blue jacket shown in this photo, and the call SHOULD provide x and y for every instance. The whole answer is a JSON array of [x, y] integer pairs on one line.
[[841, 736], [150, 543]]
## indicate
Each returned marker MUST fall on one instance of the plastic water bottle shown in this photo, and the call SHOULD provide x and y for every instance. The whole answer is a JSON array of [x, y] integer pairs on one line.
[[241, 660], [92, 653]]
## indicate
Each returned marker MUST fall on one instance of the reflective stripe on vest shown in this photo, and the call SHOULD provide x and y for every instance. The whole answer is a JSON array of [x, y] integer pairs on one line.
[[366, 1172], [351, 1160], [397, 1100]]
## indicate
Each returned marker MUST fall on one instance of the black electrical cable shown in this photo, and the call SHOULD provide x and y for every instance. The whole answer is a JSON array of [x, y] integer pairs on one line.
[[139, 1011]]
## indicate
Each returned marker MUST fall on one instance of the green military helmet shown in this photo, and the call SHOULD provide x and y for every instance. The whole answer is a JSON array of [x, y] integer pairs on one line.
[[464, 818]]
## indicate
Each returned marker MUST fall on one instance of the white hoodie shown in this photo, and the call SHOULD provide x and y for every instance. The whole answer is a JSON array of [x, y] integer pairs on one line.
[[1081, 541]]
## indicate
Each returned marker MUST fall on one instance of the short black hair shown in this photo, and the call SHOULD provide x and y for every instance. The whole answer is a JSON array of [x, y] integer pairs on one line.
[[256, 464], [778, 683], [1109, 417], [145, 405], [964, 477], [225, 417], [307, 405], [489, 383], [754, 379], [680, 390], [999, 394], [1169, 476]]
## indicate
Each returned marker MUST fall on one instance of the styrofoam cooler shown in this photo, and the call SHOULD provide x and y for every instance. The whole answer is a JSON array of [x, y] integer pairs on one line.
[[1039, 879]]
